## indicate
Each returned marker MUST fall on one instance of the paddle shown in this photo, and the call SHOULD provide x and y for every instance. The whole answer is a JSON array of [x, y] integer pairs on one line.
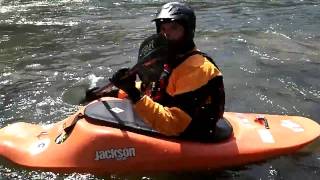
[[152, 52], [151, 57]]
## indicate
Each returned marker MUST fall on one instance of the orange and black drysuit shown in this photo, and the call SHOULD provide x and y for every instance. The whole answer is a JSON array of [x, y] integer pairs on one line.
[[192, 102]]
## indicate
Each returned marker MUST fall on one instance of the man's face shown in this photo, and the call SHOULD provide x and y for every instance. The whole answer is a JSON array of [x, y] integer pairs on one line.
[[172, 30]]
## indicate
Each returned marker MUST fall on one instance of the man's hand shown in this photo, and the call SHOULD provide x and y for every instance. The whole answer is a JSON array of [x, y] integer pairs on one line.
[[125, 81]]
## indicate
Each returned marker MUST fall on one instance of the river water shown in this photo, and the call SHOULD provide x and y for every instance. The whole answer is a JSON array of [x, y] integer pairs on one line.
[[268, 50]]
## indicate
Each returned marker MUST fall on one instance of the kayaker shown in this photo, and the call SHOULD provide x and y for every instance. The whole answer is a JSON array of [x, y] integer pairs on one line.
[[188, 99]]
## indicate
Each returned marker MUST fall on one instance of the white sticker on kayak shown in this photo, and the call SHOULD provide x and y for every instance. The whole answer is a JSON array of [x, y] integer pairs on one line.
[[266, 136], [117, 110], [244, 120], [292, 125], [39, 146]]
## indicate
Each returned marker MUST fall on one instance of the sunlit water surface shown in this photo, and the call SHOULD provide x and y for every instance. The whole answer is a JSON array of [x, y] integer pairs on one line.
[[269, 52]]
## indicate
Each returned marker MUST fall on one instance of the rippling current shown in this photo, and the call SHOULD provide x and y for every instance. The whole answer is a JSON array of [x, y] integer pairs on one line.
[[268, 50]]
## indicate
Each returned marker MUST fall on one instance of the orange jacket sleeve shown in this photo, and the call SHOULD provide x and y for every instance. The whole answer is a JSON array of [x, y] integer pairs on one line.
[[169, 121]]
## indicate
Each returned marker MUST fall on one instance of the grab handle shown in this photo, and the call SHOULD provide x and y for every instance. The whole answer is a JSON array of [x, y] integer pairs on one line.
[[262, 120]]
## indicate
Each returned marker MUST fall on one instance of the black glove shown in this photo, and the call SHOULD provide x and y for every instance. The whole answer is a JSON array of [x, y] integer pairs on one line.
[[122, 80]]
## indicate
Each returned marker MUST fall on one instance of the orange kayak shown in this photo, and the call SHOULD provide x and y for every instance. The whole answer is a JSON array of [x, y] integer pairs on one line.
[[94, 140]]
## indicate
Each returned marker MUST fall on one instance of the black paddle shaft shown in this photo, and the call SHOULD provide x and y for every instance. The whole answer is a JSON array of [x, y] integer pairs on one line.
[[152, 50], [132, 71]]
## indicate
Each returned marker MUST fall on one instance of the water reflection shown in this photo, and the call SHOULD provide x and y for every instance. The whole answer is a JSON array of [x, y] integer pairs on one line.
[[267, 50]]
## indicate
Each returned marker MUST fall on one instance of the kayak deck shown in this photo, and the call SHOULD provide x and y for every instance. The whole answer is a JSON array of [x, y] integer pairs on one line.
[[100, 149]]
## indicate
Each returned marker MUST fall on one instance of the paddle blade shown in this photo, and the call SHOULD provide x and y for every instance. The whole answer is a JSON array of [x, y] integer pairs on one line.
[[155, 46], [75, 95], [153, 54]]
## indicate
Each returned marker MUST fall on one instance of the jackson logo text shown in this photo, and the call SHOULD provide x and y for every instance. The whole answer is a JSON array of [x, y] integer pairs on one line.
[[117, 154]]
